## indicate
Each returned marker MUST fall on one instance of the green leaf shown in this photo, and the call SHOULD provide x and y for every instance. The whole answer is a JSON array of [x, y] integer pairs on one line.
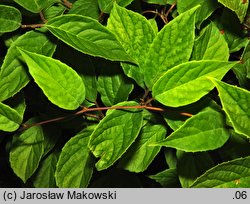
[[211, 45], [45, 176], [232, 174], [10, 119], [167, 178], [141, 154], [87, 36], [53, 11], [35, 6], [135, 33], [86, 8], [172, 46], [76, 163], [114, 87], [207, 7], [236, 104], [238, 6], [18, 104], [13, 74], [114, 134], [192, 165], [107, 5], [61, 84], [202, 132], [10, 19], [187, 82], [26, 152]]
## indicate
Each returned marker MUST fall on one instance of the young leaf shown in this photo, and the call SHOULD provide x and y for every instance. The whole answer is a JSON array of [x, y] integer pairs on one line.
[[35, 6], [114, 134], [192, 165], [45, 176], [76, 163], [135, 34], [141, 154], [167, 178], [172, 46], [13, 68], [88, 36], [238, 6], [187, 83], [236, 104], [10, 119], [232, 174], [85, 8], [202, 132], [106, 5], [114, 88], [207, 7], [61, 84], [26, 152], [211, 45], [10, 19]]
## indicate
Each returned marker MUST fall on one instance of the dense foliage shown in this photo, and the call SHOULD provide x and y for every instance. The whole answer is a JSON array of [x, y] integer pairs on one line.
[[124, 93]]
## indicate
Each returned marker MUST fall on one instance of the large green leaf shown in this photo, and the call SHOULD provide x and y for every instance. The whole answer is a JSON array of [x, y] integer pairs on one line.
[[187, 83], [192, 165], [114, 134], [76, 163], [13, 68], [172, 46], [238, 6], [211, 45], [141, 154], [35, 6], [206, 9], [10, 18], [135, 33], [236, 104], [45, 176], [88, 36], [107, 5], [10, 119], [232, 174], [26, 152], [85, 8], [202, 132], [13, 76], [61, 84], [114, 88]]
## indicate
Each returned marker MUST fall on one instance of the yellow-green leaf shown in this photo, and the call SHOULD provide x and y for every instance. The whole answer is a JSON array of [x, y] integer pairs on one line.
[[60, 83]]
